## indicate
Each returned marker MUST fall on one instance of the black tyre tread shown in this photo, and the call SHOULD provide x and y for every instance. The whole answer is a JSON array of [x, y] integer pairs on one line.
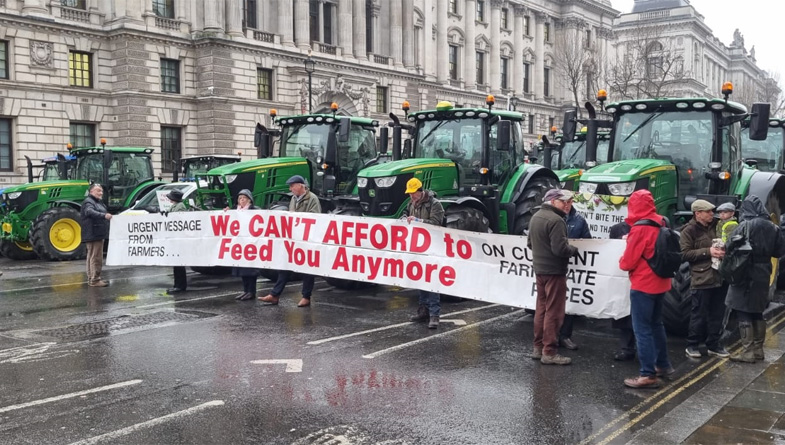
[[677, 304], [466, 218], [12, 252], [39, 235], [529, 200]]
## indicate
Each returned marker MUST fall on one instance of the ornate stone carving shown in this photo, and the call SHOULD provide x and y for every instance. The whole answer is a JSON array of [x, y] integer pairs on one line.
[[605, 33], [541, 16], [497, 3], [336, 85], [573, 22], [738, 39], [42, 54], [521, 11]]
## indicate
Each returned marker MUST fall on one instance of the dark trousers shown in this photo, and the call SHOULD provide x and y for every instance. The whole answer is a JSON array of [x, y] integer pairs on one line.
[[180, 281], [566, 326], [708, 311], [249, 284], [748, 317], [549, 313], [626, 334], [283, 278], [432, 300]]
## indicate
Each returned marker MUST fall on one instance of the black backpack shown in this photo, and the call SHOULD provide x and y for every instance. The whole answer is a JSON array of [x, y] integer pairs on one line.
[[667, 252], [738, 262]]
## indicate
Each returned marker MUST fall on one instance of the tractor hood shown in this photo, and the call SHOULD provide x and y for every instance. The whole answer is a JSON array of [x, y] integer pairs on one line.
[[568, 173], [403, 166], [44, 185], [623, 171], [256, 164]]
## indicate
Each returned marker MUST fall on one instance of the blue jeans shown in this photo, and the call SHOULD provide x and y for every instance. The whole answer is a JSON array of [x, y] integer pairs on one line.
[[646, 312], [432, 300]]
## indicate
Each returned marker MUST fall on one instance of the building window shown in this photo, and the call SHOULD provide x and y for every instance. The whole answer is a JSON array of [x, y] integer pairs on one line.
[[547, 32], [480, 10], [80, 69], [505, 65], [264, 80], [316, 9], [6, 153], [170, 148], [76, 4], [453, 58], [654, 67], [526, 77], [3, 59], [369, 26], [82, 135], [328, 23], [588, 38], [531, 124], [170, 76], [526, 25], [453, 6], [381, 100], [313, 14], [249, 14], [505, 18], [480, 60], [164, 8], [546, 77]]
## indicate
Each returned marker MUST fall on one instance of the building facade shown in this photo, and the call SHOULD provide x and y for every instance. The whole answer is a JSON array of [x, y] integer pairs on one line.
[[195, 76]]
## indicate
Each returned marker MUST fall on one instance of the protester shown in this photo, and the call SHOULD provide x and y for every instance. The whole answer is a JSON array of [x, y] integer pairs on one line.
[[180, 280], [624, 325], [577, 228], [247, 274], [303, 201], [424, 207], [647, 291], [95, 229], [708, 289], [548, 242], [750, 299], [727, 221]]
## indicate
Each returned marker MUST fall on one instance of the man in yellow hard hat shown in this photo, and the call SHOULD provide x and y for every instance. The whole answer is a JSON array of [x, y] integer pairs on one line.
[[425, 208]]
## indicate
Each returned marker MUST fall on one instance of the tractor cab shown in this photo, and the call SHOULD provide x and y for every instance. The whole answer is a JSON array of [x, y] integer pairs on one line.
[[194, 166], [766, 155], [568, 158]]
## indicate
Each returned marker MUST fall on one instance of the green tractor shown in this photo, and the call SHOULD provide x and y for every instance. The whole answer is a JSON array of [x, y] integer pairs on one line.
[[765, 155], [42, 219], [472, 158], [681, 150], [568, 158], [194, 166]]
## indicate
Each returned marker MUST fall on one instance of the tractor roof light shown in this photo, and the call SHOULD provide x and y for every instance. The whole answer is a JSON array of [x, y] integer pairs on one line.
[[273, 113], [103, 141], [405, 106], [723, 176], [444, 105], [718, 107], [699, 105], [484, 171], [727, 89], [69, 146], [682, 105], [641, 107], [490, 100], [626, 107], [610, 110], [602, 96], [591, 164], [554, 129]]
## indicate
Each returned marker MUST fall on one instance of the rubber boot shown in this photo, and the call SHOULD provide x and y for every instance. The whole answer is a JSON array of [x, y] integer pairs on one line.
[[434, 323], [745, 355], [759, 336], [422, 314]]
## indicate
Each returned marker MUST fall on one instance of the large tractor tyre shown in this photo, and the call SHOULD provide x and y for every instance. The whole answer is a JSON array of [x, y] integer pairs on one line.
[[340, 283], [212, 270], [56, 235], [466, 218], [677, 305], [17, 251], [529, 200]]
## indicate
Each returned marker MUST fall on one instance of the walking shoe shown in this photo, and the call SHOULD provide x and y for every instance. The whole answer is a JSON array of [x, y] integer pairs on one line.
[[623, 356], [304, 302], [693, 352], [536, 354], [422, 314], [669, 371], [642, 382], [434, 323], [270, 299], [99, 283], [719, 352], [568, 343], [240, 296], [174, 290], [246, 297], [555, 360]]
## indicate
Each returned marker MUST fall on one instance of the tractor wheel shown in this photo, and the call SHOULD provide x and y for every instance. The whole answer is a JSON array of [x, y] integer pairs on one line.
[[56, 235], [466, 218], [529, 200], [15, 250], [212, 270], [677, 304]]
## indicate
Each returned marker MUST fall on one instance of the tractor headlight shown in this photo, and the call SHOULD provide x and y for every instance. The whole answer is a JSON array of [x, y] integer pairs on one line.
[[230, 178], [622, 188], [587, 187], [362, 182], [13, 195], [385, 182]]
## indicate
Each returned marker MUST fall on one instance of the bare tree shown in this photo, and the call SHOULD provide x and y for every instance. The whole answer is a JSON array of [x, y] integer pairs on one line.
[[572, 56], [771, 92]]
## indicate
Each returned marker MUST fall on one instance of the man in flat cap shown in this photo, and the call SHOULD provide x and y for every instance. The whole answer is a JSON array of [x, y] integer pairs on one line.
[[551, 251], [708, 290]]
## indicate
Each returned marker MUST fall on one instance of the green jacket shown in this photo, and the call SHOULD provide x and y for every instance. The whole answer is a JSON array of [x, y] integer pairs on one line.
[[309, 203], [696, 240], [428, 209], [548, 241], [178, 207], [725, 228]]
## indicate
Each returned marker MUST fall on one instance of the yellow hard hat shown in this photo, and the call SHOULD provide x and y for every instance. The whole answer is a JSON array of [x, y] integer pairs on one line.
[[413, 185]]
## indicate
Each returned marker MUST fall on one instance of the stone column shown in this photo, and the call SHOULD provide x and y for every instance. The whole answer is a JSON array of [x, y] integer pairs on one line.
[[320, 8], [408, 34], [286, 22], [34, 7], [396, 28], [442, 50], [377, 31], [496, 42], [358, 25], [213, 16], [428, 47], [470, 51], [539, 54], [234, 17], [345, 27], [302, 32], [516, 83]]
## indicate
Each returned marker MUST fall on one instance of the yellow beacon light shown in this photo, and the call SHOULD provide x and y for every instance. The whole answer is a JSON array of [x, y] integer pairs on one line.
[[444, 105]]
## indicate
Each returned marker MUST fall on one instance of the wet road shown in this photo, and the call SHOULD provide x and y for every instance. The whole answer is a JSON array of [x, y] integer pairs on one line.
[[130, 364]]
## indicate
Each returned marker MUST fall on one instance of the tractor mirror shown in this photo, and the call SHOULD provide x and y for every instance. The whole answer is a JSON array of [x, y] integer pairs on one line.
[[407, 149], [343, 130], [569, 126], [759, 121], [257, 135], [504, 135], [29, 169], [329, 184], [261, 140], [331, 152], [384, 142]]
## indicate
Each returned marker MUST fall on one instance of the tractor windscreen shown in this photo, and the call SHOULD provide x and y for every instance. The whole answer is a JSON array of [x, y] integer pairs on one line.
[[126, 171], [767, 153], [200, 167], [51, 172], [574, 154]]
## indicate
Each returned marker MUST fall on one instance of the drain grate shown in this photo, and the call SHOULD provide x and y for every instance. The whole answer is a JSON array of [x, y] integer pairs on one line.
[[93, 329]]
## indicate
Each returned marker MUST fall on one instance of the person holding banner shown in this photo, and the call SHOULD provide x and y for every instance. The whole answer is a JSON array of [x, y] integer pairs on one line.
[[247, 274], [424, 207], [180, 280], [577, 228], [552, 252], [303, 201], [95, 229]]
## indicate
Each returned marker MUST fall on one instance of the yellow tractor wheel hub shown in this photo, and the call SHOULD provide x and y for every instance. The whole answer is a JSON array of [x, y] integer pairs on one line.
[[65, 235]]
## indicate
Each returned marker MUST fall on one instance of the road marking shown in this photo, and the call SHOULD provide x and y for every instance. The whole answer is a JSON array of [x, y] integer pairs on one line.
[[393, 326], [457, 322], [294, 365], [145, 306], [69, 396], [153, 422], [443, 334], [76, 283]]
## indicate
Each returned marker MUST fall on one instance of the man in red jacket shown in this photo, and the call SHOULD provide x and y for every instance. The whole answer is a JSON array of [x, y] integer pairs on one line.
[[647, 291]]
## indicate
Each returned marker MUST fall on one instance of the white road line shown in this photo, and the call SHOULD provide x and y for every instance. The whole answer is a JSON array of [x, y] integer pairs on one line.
[[293, 365], [153, 422], [77, 283], [432, 337], [145, 306], [393, 326], [457, 322], [69, 396]]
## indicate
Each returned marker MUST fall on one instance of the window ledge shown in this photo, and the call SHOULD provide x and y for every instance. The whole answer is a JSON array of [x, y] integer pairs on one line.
[[454, 15]]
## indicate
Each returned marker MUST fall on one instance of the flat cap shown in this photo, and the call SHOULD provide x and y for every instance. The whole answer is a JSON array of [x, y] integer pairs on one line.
[[558, 194], [726, 207], [296, 179], [700, 205]]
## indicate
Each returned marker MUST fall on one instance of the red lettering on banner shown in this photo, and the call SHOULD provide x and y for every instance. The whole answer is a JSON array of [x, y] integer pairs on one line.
[[255, 226], [286, 226], [422, 235], [447, 276], [375, 264], [414, 271], [249, 252], [393, 268], [300, 256], [358, 264], [398, 238], [448, 245], [308, 222], [377, 229], [224, 248], [429, 268], [237, 251], [346, 231], [331, 235], [272, 229], [222, 223], [341, 262], [361, 233]]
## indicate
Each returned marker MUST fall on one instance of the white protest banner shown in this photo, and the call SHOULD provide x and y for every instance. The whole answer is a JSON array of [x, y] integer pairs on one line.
[[164, 203], [601, 212], [485, 267]]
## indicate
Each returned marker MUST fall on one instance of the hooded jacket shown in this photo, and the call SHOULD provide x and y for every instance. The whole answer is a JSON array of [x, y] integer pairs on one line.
[[577, 227], [640, 245], [695, 241], [767, 243], [548, 241]]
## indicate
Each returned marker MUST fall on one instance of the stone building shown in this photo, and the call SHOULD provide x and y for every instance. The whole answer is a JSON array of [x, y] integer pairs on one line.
[[197, 75]]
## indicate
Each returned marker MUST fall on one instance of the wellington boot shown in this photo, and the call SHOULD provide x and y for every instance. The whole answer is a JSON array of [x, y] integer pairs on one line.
[[422, 314], [758, 337], [434, 322], [745, 355]]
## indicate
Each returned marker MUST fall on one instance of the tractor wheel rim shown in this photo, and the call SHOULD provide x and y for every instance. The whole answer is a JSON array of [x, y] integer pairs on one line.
[[65, 235], [24, 245]]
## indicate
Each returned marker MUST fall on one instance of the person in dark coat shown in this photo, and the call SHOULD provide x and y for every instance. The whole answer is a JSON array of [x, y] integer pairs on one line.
[[247, 274], [180, 280], [95, 229], [624, 325], [749, 300], [577, 228]]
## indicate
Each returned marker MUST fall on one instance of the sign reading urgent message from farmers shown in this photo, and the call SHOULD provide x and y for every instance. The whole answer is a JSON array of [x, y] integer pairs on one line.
[[485, 267]]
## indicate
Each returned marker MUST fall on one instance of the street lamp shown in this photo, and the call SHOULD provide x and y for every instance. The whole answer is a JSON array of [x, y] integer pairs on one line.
[[310, 66], [513, 103]]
